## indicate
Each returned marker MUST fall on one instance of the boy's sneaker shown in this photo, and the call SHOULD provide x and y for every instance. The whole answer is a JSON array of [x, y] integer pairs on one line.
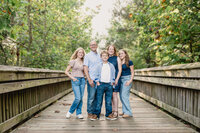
[[80, 116], [110, 117], [68, 115], [93, 118]]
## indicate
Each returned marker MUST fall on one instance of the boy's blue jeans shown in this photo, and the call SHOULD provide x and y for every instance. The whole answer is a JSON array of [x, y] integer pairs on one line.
[[108, 90], [78, 89]]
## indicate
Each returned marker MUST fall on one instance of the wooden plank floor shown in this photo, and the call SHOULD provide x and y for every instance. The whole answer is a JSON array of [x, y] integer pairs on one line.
[[147, 118]]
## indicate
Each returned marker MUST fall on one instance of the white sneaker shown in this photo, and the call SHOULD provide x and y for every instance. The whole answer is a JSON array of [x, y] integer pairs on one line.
[[80, 116], [68, 115]]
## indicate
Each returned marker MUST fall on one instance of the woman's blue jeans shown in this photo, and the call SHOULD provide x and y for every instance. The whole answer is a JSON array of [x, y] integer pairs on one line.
[[124, 95], [78, 89]]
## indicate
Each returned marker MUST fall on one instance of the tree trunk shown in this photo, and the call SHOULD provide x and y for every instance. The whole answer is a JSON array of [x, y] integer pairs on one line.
[[191, 51], [29, 31], [18, 55], [45, 29], [29, 25], [5, 55], [148, 60]]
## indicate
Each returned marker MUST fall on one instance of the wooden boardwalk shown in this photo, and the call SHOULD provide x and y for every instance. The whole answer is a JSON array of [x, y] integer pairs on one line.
[[147, 118]]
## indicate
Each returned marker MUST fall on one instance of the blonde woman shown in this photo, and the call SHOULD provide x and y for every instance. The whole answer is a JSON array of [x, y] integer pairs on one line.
[[78, 82], [118, 69], [126, 83]]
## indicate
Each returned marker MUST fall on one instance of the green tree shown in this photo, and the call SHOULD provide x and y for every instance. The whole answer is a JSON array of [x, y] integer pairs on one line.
[[45, 32], [158, 32]]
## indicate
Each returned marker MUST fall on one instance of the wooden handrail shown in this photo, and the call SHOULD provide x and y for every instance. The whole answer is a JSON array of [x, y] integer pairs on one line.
[[11, 73], [191, 70]]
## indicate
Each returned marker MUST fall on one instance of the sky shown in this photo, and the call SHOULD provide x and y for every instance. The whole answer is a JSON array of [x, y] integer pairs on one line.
[[100, 22]]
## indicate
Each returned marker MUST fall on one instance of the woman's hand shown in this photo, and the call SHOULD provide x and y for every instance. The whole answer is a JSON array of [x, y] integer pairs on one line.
[[74, 79], [128, 83], [116, 82]]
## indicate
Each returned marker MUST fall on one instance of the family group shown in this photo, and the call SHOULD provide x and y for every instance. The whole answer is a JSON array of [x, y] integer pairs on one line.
[[110, 73]]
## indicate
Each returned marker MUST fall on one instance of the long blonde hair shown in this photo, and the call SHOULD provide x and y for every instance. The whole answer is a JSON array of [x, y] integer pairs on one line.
[[126, 57], [74, 55]]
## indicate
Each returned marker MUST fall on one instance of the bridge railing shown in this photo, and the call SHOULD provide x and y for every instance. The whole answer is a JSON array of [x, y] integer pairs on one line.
[[25, 91], [175, 88]]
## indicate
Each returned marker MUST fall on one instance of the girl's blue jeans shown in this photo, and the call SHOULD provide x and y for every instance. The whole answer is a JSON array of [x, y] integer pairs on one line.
[[78, 89], [124, 95]]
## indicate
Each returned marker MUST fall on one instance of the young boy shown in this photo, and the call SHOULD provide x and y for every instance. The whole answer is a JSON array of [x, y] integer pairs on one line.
[[105, 78]]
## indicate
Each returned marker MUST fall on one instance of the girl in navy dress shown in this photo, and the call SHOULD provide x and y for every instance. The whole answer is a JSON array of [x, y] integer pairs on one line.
[[118, 69]]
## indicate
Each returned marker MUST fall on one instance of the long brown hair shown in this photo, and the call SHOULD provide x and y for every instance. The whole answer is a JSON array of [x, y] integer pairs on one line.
[[126, 57], [115, 50], [74, 55]]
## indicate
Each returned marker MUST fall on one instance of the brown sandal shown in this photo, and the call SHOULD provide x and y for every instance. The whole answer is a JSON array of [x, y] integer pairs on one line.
[[121, 114]]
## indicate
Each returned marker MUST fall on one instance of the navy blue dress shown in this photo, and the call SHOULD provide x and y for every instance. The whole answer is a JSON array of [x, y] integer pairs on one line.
[[113, 60]]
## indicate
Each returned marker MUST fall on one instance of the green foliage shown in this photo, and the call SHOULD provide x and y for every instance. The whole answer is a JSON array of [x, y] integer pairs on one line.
[[158, 32], [41, 33]]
